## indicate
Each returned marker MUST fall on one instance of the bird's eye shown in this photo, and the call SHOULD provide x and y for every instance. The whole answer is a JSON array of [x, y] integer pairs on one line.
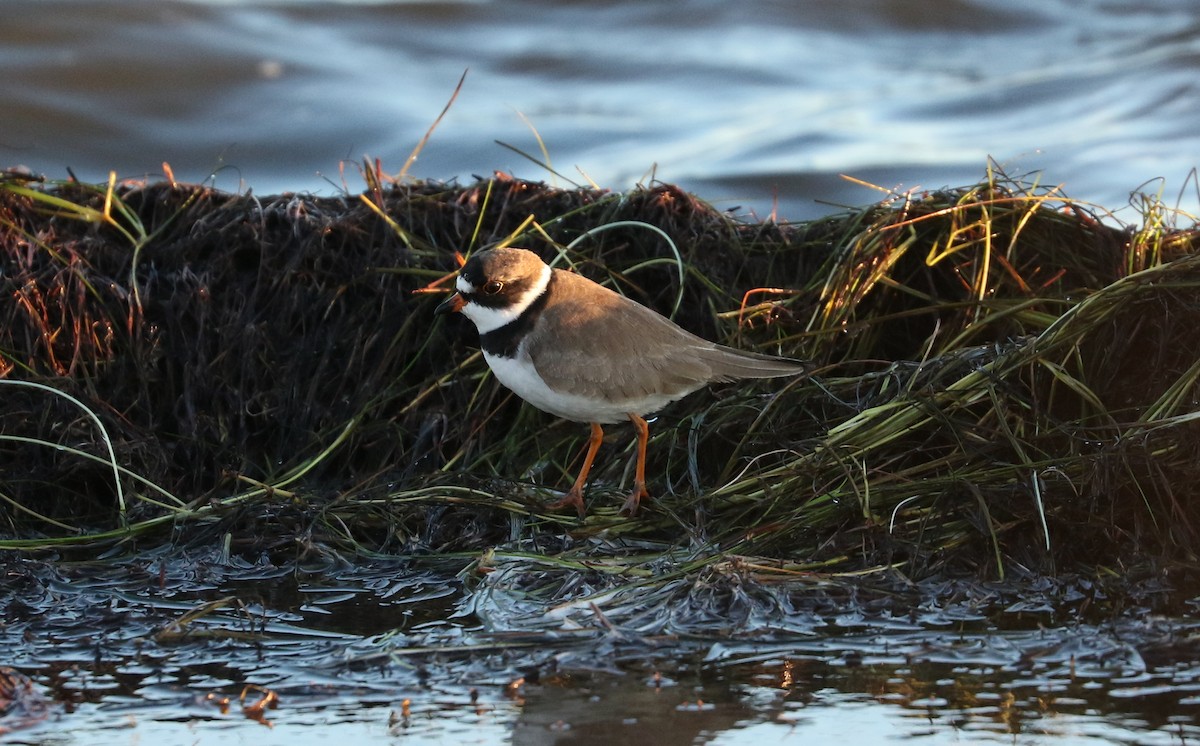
[[492, 287]]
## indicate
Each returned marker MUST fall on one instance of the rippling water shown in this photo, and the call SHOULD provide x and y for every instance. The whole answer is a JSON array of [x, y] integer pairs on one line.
[[169, 647], [743, 103]]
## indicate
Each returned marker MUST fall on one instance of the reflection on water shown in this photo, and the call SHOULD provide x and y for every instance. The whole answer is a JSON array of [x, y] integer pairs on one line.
[[756, 104], [180, 646]]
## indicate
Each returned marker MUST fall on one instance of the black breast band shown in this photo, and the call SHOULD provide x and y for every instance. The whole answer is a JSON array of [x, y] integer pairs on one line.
[[503, 342]]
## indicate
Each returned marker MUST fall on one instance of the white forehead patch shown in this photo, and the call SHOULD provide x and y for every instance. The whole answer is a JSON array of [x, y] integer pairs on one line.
[[490, 319]]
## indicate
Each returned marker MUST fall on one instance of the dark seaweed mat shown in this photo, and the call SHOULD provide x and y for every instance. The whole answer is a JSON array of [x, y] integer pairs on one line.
[[262, 328]]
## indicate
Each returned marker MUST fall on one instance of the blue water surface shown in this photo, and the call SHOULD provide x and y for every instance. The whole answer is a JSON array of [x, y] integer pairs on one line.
[[760, 104]]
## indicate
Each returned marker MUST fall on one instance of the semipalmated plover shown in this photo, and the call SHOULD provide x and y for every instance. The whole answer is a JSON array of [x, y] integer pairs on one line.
[[578, 350]]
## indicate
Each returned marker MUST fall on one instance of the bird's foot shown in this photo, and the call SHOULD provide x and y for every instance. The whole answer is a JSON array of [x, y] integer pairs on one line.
[[574, 499], [630, 508]]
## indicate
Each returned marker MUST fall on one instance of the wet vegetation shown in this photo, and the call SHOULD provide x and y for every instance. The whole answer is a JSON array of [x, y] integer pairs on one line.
[[1004, 381]]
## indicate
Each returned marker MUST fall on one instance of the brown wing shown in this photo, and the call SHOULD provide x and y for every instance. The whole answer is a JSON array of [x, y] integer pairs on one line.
[[612, 346]]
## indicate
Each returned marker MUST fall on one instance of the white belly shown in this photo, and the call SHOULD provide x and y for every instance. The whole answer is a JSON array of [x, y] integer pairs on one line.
[[519, 375]]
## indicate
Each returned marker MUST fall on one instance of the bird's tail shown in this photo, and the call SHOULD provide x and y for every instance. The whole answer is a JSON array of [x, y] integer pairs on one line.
[[728, 364]]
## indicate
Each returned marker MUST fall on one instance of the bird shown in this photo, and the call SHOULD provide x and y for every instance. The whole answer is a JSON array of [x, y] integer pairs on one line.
[[578, 350]]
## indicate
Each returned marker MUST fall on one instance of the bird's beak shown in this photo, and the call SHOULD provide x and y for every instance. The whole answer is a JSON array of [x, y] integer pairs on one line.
[[453, 304]]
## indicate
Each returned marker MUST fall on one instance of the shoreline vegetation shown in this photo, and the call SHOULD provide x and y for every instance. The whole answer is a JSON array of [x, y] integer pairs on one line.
[[1006, 381]]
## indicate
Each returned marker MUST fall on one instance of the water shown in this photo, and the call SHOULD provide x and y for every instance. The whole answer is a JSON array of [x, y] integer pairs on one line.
[[161, 648], [758, 104]]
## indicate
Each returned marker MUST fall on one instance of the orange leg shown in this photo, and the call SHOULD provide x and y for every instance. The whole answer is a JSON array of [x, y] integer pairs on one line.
[[630, 507], [575, 496]]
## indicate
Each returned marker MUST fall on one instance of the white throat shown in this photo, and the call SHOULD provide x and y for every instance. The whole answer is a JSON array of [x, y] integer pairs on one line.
[[490, 319]]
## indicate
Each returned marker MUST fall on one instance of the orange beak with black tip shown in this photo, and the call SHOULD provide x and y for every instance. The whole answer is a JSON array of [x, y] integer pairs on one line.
[[453, 304]]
